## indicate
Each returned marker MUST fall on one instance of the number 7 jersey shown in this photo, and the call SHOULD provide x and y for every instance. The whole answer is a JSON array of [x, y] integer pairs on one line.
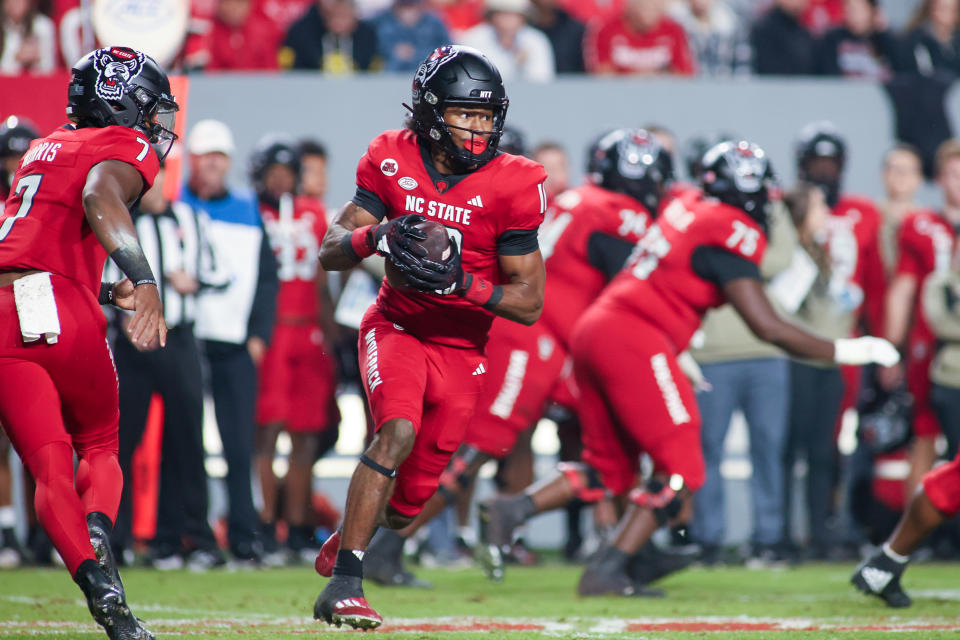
[[43, 225], [659, 282]]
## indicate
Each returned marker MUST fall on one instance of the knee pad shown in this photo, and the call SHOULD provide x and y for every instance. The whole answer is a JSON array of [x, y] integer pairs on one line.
[[663, 498], [584, 480]]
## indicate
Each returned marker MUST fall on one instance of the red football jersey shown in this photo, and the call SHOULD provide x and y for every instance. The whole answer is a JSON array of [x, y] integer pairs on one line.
[[43, 225], [295, 233], [924, 245], [658, 282], [664, 49], [505, 195], [572, 282], [857, 274]]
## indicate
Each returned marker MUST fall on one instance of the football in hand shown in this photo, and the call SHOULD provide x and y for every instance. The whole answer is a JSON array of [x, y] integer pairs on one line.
[[436, 247]]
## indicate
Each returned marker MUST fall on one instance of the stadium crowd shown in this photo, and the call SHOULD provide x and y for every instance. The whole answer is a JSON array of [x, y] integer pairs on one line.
[[274, 338], [531, 39]]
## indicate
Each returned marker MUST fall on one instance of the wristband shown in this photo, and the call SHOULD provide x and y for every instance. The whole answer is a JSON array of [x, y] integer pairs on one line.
[[357, 245], [480, 292], [106, 293], [134, 265]]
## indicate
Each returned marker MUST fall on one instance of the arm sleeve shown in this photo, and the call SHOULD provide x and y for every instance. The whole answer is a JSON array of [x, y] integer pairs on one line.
[[721, 266], [370, 201], [264, 309], [517, 242], [608, 253]]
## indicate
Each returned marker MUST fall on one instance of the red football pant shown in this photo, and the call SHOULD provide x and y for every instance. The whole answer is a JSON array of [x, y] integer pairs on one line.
[[57, 399], [919, 360], [524, 367], [433, 386], [633, 398], [296, 380], [942, 486]]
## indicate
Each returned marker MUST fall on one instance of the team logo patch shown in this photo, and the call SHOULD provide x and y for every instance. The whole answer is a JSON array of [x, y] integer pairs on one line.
[[429, 67], [407, 183], [389, 167], [116, 67]]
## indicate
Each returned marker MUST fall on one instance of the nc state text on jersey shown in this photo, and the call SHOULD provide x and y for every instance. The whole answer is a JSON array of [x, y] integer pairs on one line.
[[438, 210]]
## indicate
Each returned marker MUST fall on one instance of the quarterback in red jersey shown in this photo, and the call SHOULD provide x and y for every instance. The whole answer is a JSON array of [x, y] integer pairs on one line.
[[421, 346], [67, 211], [587, 236], [633, 394], [297, 380]]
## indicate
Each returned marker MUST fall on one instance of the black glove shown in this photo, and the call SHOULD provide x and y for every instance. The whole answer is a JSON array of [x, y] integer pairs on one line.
[[430, 276], [397, 239]]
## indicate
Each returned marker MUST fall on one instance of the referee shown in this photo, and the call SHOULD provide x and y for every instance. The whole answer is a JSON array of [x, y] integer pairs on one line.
[[174, 241]]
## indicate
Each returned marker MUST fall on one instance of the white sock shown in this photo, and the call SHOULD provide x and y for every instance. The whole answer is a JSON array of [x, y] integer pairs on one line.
[[893, 555], [8, 517]]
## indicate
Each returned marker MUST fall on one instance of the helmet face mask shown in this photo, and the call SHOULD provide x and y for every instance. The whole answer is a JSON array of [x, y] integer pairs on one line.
[[124, 87], [632, 162], [739, 174], [457, 76]]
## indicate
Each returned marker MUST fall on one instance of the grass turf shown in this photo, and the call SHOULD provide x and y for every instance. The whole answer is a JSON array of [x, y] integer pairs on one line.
[[531, 603]]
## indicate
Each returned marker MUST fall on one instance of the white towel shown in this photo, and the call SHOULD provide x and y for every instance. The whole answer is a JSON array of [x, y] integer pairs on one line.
[[36, 308]]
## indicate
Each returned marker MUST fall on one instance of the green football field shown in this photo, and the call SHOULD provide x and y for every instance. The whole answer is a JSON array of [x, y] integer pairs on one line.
[[813, 601]]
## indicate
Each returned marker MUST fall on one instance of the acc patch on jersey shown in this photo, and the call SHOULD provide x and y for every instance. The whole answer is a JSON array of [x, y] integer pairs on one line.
[[116, 67]]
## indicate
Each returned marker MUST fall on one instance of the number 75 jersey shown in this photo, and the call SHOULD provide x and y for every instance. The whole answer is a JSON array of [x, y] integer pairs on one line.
[[43, 225], [659, 282]]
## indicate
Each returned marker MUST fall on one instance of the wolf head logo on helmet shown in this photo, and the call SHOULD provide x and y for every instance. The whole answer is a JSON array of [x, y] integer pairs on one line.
[[116, 67]]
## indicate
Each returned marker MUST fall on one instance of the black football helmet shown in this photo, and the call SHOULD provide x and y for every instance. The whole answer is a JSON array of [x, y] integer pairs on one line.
[[740, 175], [454, 75], [16, 134], [631, 161], [696, 147], [270, 150], [513, 141], [822, 140], [122, 86]]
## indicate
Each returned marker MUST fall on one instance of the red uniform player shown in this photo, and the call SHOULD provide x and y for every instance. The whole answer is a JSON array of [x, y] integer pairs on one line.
[[633, 394], [588, 234], [67, 211], [296, 377], [421, 346], [639, 40]]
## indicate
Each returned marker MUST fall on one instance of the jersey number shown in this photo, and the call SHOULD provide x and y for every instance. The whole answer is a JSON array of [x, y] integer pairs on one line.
[[26, 188], [743, 238], [143, 152], [646, 256]]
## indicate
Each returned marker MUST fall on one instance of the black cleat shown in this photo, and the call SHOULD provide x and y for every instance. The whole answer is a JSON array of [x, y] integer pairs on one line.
[[499, 518], [383, 562], [880, 576], [342, 602], [98, 526], [606, 574], [108, 606], [651, 564]]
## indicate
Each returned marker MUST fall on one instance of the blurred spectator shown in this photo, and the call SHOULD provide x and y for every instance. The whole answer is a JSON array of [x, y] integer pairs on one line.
[[282, 13], [175, 243], [16, 134], [587, 10], [823, 15], [925, 243], [329, 37], [564, 32], [28, 39], [553, 157], [240, 38], [235, 322], [459, 15], [313, 169], [640, 40], [407, 33], [861, 47], [75, 30], [746, 374], [782, 45], [932, 43], [518, 50], [717, 38], [902, 178]]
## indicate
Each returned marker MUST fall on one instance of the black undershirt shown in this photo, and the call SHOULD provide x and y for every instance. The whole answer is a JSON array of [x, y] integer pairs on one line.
[[720, 266], [607, 253]]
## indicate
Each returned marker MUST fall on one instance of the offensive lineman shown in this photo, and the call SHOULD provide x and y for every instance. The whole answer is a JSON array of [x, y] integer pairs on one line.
[[421, 348], [585, 240], [633, 395], [68, 210]]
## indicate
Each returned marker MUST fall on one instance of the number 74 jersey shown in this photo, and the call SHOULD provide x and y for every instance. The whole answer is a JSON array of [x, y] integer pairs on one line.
[[43, 225], [659, 282]]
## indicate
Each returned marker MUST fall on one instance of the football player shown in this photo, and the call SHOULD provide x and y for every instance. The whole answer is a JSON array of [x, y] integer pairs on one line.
[[421, 347], [297, 379], [634, 396], [587, 237], [67, 211]]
